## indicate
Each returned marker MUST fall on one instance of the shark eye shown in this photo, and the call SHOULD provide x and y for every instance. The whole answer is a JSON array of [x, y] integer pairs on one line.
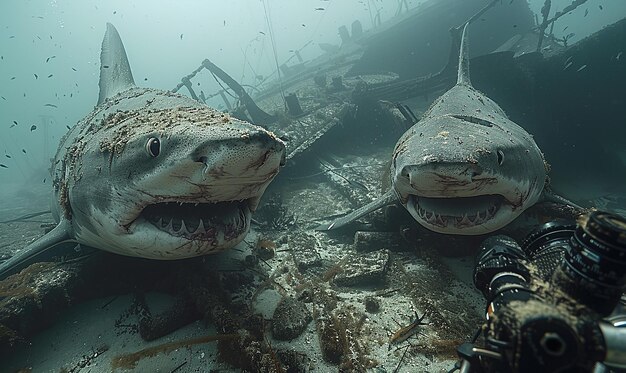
[[500, 157], [153, 147]]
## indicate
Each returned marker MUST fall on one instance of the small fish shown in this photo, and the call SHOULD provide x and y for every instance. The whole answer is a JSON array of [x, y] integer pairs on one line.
[[71, 95], [8, 156], [24, 151], [619, 55], [145, 79], [181, 36], [74, 69], [44, 181], [319, 8], [51, 105], [36, 77], [105, 66], [33, 127], [50, 76], [13, 125], [565, 28], [581, 68], [3, 165], [569, 59], [12, 78], [303, 25], [408, 331], [68, 127], [4, 98], [586, 12], [12, 37], [15, 122], [600, 6], [224, 22], [115, 12], [261, 32], [49, 58], [567, 65]]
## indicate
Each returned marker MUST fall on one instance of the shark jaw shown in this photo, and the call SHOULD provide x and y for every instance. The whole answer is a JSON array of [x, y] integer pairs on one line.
[[169, 228], [469, 211], [201, 227]]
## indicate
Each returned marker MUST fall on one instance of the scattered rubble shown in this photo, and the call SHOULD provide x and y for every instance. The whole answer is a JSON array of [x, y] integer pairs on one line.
[[290, 319], [364, 270], [303, 247]]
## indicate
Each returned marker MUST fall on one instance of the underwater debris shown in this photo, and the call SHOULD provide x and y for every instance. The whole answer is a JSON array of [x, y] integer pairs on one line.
[[25, 217], [339, 332], [9, 337], [31, 299], [264, 248], [364, 270], [329, 333], [372, 241], [180, 314], [372, 304], [129, 361], [290, 319], [294, 361], [274, 214], [303, 247], [249, 350], [85, 360]]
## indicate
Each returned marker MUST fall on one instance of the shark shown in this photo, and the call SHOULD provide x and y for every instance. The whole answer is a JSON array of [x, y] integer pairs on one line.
[[154, 174], [464, 168]]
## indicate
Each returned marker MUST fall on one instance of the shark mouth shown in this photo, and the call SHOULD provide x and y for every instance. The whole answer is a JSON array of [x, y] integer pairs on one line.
[[210, 222], [457, 212]]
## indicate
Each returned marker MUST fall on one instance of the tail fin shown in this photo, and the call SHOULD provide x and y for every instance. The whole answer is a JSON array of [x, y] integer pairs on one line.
[[463, 74]]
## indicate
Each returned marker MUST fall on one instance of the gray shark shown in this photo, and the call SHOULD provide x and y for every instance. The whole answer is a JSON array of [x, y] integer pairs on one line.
[[153, 174], [465, 167]]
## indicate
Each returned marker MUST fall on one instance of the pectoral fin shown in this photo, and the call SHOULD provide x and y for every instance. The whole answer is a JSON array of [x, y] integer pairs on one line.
[[548, 195], [386, 199], [36, 250]]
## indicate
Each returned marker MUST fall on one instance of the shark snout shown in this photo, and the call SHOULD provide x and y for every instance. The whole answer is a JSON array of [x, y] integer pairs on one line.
[[431, 179], [238, 167]]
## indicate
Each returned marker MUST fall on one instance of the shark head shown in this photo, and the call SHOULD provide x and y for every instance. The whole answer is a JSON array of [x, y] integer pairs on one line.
[[154, 174], [465, 168]]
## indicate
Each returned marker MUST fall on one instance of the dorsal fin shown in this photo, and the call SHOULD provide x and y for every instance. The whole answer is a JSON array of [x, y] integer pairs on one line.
[[464, 74], [115, 74]]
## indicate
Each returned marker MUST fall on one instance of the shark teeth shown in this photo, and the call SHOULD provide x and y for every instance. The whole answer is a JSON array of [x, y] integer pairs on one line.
[[465, 214], [199, 220]]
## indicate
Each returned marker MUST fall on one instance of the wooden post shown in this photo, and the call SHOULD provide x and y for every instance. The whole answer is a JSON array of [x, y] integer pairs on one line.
[[226, 102], [293, 105]]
